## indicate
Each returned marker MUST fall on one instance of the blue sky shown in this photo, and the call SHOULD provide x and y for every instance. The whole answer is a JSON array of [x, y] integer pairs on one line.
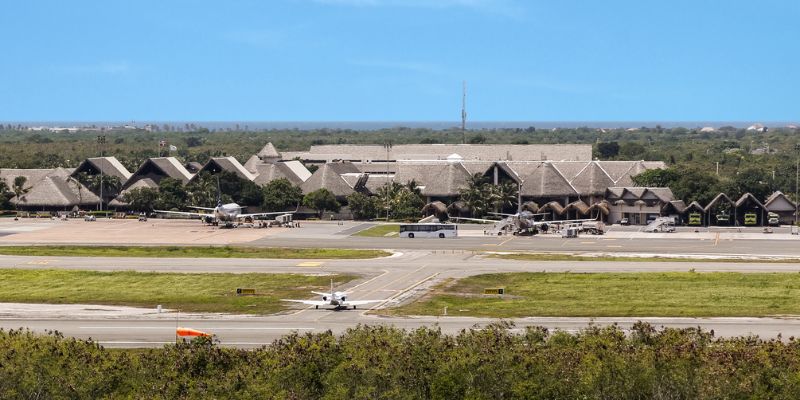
[[400, 60]]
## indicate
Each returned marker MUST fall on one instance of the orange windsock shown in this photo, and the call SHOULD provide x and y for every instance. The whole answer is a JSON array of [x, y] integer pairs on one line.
[[190, 332]]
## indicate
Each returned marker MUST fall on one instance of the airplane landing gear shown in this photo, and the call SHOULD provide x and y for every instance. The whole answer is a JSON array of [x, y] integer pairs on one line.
[[354, 307], [316, 307]]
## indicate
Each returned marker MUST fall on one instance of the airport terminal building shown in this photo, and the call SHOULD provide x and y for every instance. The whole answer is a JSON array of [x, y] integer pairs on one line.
[[562, 179]]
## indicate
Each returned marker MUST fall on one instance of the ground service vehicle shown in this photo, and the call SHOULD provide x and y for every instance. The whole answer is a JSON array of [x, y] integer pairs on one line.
[[428, 230], [694, 219], [773, 219], [750, 219], [723, 219]]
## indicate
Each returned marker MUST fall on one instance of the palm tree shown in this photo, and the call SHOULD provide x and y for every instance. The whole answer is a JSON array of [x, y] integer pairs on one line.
[[19, 188], [504, 196]]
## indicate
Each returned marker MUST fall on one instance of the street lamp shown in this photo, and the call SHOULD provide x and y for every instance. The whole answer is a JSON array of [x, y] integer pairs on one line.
[[101, 141]]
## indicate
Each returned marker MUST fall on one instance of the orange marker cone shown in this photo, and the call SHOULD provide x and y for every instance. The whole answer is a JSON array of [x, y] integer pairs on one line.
[[183, 332]]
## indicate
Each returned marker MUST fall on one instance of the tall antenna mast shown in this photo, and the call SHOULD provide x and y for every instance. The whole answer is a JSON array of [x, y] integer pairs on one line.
[[464, 110]]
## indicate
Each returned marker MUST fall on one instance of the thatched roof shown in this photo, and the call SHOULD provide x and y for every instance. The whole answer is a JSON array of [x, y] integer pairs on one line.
[[268, 172], [602, 207], [437, 209], [268, 152], [107, 165], [592, 179], [530, 206], [547, 181], [717, 199], [553, 206], [56, 192], [779, 202], [694, 206], [230, 164], [675, 205], [158, 168], [477, 152], [329, 176], [580, 206], [748, 198], [437, 179]]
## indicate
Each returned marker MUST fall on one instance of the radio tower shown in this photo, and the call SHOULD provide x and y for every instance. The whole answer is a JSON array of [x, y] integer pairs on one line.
[[464, 110]]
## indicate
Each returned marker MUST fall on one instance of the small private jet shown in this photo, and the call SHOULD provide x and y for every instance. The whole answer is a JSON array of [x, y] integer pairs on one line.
[[336, 299]]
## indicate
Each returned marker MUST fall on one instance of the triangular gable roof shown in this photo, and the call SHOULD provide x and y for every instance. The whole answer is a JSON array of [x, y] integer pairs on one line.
[[547, 181], [678, 205], [592, 179], [778, 201], [717, 199], [662, 194], [163, 167], [329, 176], [229, 164], [694, 206], [633, 193], [108, 165], [269, 172], [748, 196], [615, 193]]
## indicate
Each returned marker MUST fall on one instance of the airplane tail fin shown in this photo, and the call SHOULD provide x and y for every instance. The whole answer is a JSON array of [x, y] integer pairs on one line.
[[331, 286]]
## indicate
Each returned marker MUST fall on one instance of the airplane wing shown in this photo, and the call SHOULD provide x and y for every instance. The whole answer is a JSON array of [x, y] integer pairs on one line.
[[309, 302], [322, 294], [483, 221], [361, 302], [203, 208], [188, 214], [255, 215]]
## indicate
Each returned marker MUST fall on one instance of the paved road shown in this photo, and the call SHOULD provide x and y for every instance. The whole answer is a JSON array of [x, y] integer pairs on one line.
[[396, 279]]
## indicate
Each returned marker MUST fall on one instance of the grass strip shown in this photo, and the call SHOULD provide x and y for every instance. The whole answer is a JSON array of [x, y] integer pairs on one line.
[[191, 252], [188, 292], [379, 231], [575, 257], [673, 294]]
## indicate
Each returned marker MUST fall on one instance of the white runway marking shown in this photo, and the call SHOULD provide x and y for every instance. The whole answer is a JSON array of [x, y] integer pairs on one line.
[[208, 328]]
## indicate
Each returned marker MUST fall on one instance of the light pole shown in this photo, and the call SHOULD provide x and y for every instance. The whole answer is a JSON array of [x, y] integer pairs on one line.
[[101, 141]]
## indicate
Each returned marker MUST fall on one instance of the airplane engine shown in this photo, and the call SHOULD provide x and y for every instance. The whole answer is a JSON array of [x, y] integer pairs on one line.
[[324, 298], [543, 227], [208, 220], [344, 298]]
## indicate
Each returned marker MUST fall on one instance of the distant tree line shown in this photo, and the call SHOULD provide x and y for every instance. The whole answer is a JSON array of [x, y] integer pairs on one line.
[[379, 362]]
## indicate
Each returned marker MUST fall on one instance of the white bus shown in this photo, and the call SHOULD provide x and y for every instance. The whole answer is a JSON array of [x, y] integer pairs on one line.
[[428, 230]]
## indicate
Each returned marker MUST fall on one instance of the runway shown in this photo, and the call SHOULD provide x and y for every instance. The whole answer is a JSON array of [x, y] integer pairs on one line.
[[396, 279]]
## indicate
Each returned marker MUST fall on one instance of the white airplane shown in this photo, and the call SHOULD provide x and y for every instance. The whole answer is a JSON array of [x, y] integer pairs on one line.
[[336, 299], [523, 222], [227, 214]]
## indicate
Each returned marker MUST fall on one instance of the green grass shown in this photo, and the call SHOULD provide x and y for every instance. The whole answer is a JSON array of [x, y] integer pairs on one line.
[[187, 292], [190, 252], [574, 257], [674, 294], [379, 231]]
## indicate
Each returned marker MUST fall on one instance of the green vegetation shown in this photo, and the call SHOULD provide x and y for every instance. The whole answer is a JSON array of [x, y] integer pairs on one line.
[[386, 363], [576, 257], [190, 252], [188, 292], [321, 200], [379, 231], [675, 294]]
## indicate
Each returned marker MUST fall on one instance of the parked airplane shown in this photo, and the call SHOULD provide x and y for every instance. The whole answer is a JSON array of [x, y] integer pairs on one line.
[[228, 214], [523, 223], [336, 299]]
